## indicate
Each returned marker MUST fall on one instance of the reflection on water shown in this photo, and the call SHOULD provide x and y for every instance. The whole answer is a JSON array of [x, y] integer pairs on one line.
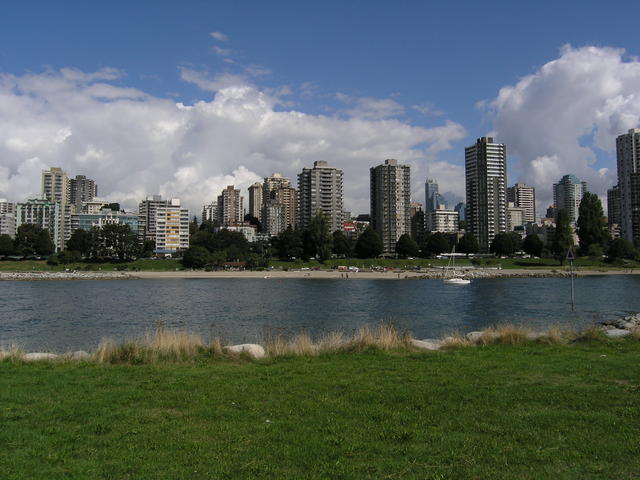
[[71, 315]]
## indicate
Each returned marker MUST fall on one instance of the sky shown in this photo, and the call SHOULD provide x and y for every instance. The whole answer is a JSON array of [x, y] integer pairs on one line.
[[185, 98]]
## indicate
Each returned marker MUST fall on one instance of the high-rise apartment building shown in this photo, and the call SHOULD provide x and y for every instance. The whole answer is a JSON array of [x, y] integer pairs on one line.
[[390, 202], [614, 213], [273, 217], [82, 189], [523, 196], [289, 199], [486, 178], [230, 206], [567, 195], [172, 228], [271, 183], [255, 200], [56, 186], [461, 208], [7, 218], [320, 190], [431, 195], [210, 212], [47, 215], [628, 154], [164, 222], [7, 207]]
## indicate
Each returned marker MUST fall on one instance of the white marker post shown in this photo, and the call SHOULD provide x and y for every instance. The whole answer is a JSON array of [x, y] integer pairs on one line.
[[571, 257]]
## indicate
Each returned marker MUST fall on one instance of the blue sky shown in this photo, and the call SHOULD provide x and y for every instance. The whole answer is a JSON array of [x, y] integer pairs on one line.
[[393, 66]]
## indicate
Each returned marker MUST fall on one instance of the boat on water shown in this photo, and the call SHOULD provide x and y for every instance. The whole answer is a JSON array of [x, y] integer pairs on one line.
[[451, 268]]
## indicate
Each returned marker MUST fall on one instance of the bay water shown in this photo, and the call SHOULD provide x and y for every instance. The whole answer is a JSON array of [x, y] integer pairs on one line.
[[59, 316]]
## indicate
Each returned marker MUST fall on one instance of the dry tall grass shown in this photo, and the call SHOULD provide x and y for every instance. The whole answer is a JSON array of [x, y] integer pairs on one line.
[[162, 345], [382, 337], [13, 352]]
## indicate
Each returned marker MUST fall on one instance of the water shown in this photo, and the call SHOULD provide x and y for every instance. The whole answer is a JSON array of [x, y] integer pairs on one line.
[[60, 316]]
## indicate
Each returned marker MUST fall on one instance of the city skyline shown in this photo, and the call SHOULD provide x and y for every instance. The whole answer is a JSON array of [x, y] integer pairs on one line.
[[222, 108]]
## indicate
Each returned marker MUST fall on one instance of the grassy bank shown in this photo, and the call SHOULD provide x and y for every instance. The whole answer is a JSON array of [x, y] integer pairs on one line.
[[159, 265], [530, 411], [144, 264]]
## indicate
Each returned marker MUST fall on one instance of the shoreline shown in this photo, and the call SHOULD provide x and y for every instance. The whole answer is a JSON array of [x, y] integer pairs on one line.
[[425, 274]]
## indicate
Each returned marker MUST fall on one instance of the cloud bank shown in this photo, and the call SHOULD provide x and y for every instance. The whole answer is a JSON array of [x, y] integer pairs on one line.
[[135, 144], [565, 118]]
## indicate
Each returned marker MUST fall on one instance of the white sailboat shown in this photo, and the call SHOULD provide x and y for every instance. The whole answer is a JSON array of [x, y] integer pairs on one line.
[[451, 267]]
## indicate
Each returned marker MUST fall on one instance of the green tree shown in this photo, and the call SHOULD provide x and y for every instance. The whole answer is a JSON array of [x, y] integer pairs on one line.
[[288, 244], [115, 207], [317, 238], [563, 238], [31, 239], [118, 239], [406, 246], [468, 244], [80, 241], [195, 257], [209, 226], [621, 248], [502, 244], [369, 244], [591, 227], [532, 245], [341, 245], [516, 240], [193, 226], [147, 248], [68, 256], [7, 246], [436, 244]]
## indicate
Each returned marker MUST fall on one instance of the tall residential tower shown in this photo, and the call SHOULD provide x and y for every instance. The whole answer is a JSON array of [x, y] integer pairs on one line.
[[486, 178], [628, 152], [320, 190], [390, 202], [523, 196], [567, 195]]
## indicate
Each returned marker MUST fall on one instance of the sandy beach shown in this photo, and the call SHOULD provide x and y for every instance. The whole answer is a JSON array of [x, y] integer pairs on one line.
[[433, 273]]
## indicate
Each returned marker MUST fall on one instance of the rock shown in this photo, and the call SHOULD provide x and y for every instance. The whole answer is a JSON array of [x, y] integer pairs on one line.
[[79, 355], [534, 335], [426, 344], [252, 349], [37, 356], [616, 333], [474, 336]]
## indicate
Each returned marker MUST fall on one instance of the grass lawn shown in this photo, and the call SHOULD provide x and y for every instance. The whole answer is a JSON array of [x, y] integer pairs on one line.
[[499, 412], [41, 265], [506, 263], [160, 265]]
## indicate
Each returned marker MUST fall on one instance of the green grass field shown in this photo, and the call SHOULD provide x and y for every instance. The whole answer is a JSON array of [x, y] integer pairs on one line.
[[172, 264], [499, 412], [41, 265]]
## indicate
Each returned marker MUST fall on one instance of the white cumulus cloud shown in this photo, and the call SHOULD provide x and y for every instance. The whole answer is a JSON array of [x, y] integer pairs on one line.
[[221, 37], [135, 144], [564, 118]]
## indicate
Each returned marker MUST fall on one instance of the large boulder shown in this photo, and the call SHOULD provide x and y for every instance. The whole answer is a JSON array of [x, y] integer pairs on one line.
[[474, 336], [616, 332], [38, 356], [252, 349], [426, 344], [80, 355]]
